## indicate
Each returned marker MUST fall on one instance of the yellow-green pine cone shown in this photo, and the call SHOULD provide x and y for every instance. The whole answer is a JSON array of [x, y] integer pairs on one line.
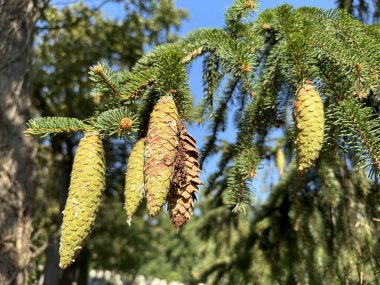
[[309, 118], [280, 160], [86, 186], [160, 152], [134, 179], [185, 181]]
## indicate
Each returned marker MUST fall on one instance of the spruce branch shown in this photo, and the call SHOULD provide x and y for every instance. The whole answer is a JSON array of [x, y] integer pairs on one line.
[[235, 55], [150, 59], [248, 82], [53, 125], [211, 80], [259, 115], [145, 107], [193, 55], [228, 152], [239, 191], [355, 60], [135, 84], [105, 79], [172, 80], [360, 128], [239, 10], [218, 120], [120, 120]]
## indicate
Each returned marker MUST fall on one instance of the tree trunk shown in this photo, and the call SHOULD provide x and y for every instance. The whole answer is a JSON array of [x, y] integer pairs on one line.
[[51, 269], [345, 5], [16, 150], [62, 169]]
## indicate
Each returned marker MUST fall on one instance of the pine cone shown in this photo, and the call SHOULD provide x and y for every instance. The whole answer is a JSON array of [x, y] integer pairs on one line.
[[280, 160], [185, 181], [160, 152], [86, 186], [134, 179], [309, 118]]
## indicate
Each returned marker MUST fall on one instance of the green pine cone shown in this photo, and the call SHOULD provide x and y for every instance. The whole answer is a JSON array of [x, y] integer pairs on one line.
[[160, 152], [86, 186], [309, 118], [134, 179]]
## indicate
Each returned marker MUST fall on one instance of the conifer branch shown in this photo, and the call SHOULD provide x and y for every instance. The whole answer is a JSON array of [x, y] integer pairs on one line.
[[234, 54], [145, 107], [360, 128], [218, 120], [240, 193], [172, 80], [239, 10], [53, 125], [135, 84], [259, 115], [228, 152], [105, 80], [211, 80], [119, 120], [193, 55]]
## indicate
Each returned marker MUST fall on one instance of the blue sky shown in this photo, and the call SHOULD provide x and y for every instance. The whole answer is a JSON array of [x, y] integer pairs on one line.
[[209, 13]]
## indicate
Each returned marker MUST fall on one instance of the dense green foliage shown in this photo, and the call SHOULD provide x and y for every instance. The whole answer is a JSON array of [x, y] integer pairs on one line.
[[321, 228]]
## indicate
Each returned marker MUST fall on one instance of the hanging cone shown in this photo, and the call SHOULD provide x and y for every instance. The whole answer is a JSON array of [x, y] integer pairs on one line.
[[309, 118], [160, 152], [280, 160], [134, 179], [185, 181], [86, 187]]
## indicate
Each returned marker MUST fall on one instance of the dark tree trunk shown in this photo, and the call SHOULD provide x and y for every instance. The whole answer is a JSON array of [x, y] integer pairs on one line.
[[51, 269], [62, 170], [16, 150], [345, 5], [77, 272]]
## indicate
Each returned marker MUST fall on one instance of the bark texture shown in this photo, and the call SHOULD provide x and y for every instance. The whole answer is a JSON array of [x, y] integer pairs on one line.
[[16, 150]]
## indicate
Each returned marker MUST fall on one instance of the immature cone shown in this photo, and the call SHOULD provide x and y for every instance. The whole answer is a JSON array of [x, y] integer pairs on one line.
[[185, 181], [309, 118], [86, 187], [134, 179], [160, 152], [280, 160]]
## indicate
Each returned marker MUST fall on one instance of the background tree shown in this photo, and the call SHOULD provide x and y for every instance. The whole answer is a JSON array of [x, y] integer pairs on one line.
[[16, 151], [365, 11]]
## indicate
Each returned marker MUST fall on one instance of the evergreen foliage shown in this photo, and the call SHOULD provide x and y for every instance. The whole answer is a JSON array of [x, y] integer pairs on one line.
[[52, 125], [110, 81], [319, 228], [111, 122]]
